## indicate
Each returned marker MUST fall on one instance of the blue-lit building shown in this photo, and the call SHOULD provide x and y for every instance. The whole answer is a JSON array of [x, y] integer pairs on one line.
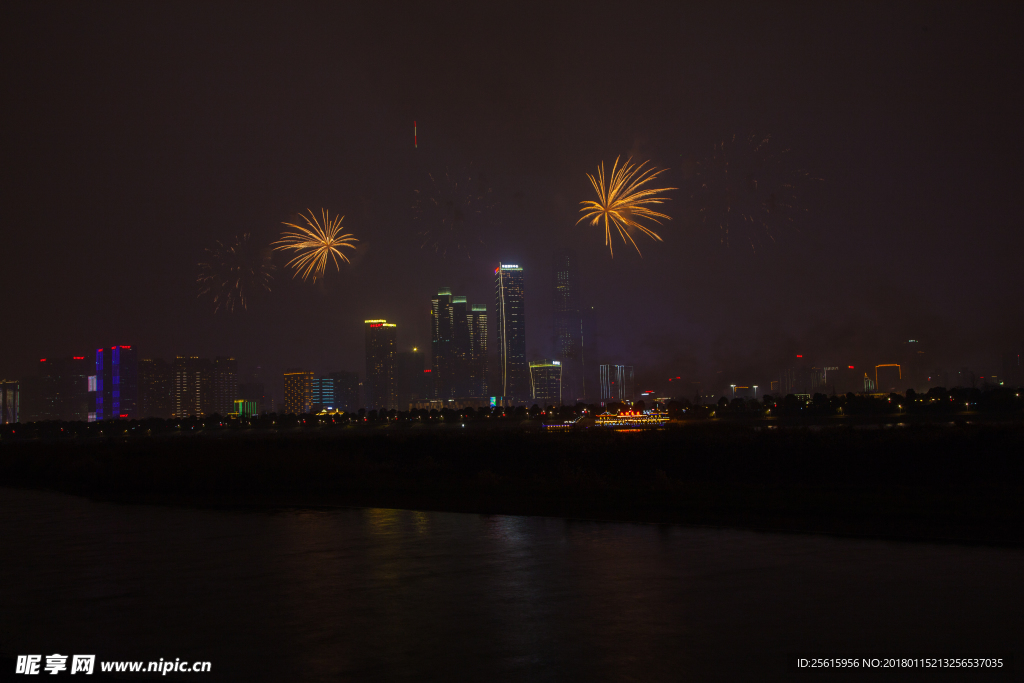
[[117, 383], [510, 311]]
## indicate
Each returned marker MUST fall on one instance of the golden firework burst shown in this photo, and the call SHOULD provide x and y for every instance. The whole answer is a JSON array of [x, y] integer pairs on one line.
[[621, 201], [314, 243]]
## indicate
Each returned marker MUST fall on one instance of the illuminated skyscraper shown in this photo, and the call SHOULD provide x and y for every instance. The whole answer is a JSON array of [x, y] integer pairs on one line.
[[225, 384], [192, 390], [64, 389], [511, 321], [9, 401], [442, 329], [476, 320], [616, 382], [567, 323], [156, 382], [298, 391], [346, 390], [546, 382], [381, 347], [117, 386]]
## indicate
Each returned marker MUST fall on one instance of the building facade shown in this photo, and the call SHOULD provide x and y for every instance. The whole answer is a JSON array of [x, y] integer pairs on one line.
[[477, 323], [156, 387], [192, 390], [616, 382], [414, 381], [381, 351], [298, 391], [10, 398], [225, 384], [567, 324], [510, 314], [117, 388], [546, 382], [63, 388], [346, 391]]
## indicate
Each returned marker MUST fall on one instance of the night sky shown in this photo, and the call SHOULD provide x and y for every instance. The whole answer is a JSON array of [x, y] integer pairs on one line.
[[136, 134]]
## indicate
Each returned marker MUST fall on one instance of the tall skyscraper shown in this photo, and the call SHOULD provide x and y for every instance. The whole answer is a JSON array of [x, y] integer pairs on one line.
[[511, 320], [442, 329], [225, 384], [381, 348], [567, 324], [9, 401], [346, 391], [298, 391], [616, 382], [192, 389], [156, 383], [546, 382], [477, 323], [117, 388], [64, 389]]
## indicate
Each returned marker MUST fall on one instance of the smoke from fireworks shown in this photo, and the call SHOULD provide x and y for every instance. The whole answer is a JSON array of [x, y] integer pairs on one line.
[[622, 203], [315, 243], [233, 273], [746, 190], [451, 212]]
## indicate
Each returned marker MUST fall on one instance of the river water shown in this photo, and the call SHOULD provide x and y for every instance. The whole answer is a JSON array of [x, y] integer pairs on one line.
[[395, 595]]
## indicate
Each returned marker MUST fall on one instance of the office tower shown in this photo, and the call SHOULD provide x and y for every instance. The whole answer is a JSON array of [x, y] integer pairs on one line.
[[346, 391], [477, 323], [616, 382], [156, 383], [546, 382], [225, 385], [117, 389], [192, 389], [322, 394], [460, 348], [511, 322], [1013, 368], [412, 378], [442, 329], [9, 401], [253, 392], [567, 324], [63, 389], [298, 391], [381, 347], [889, 378]]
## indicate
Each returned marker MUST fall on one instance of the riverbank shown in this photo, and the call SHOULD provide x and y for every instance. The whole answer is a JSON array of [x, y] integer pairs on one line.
[[959, 483]]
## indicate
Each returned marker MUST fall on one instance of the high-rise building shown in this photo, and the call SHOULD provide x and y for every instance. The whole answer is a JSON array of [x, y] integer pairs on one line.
[[346, 391], [323, 394], [1013, 368], [477, 323], [63, 389], [298, 391], [616, 382], [381, 349], [546, 382], [567, 324], [412, 377], [225, 384], [117, 388], [889, 378], [9, 401], [510, 312], [156, 383], [192, 389], [442, 329]]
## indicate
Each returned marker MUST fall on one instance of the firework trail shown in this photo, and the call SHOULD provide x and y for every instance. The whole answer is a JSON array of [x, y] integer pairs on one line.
[[451, 211], [233, 273], [747, 190], [622, 203], [314, 243]]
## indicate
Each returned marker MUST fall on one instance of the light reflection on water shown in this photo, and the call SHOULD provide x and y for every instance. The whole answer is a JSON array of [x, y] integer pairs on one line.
[[373, 594]]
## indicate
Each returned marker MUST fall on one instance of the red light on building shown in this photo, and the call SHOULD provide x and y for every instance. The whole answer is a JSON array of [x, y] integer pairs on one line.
[[126, 347], [42, 360], [799, 355], [77, 357], [377, 325], [427, 370], [851, 367], [123, 415]]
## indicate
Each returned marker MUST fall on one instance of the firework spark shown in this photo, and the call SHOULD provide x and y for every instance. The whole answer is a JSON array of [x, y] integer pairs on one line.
[[232, 273], [747, 190], [622, 203], [314, 243], [452, 210]]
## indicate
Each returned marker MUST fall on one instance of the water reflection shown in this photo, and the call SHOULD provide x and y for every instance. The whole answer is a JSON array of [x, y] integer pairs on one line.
[[377, 594]]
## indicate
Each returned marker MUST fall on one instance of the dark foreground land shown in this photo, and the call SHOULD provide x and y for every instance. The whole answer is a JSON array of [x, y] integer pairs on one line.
[[934, 481]]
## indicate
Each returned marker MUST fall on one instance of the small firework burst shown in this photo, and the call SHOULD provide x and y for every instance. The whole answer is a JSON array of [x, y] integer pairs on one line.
[[315, 243], [231, 274], [622, 203], [747, 190], [452, 212]]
